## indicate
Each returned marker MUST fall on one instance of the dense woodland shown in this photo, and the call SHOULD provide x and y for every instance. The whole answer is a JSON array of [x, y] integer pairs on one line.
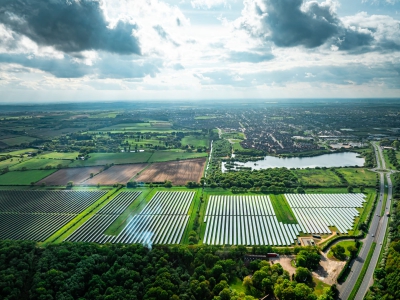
[[387, 276], [91, 271]]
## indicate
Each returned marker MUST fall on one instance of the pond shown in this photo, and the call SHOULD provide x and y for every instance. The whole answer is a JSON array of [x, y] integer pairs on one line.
[[344, 159]]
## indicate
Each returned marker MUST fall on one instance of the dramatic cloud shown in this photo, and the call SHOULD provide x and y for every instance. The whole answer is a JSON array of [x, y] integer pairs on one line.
[[290, 23], [68, 25]]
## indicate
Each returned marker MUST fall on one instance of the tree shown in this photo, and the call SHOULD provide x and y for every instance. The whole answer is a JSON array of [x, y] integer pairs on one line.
[[353, 250], [350, 189], [308, 259], [303, 275], [338, 252], [70, 184], [247, 282]]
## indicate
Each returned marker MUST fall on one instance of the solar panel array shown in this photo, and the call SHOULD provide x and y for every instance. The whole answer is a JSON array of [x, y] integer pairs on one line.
[[245, 220], [315, 212]]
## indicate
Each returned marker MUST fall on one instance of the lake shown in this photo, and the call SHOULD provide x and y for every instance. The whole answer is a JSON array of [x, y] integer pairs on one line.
[[344, 159]]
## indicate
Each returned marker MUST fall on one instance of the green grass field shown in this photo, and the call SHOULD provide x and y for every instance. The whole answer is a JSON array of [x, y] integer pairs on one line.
[[195, 141], [236, 146], [204, 117], [24, 177], [18, 140], [359, 176], [10, 162], [282, 209], [237, 284], [317, 177], [59, 155], [161, 156], [39, 163], [101, 159]]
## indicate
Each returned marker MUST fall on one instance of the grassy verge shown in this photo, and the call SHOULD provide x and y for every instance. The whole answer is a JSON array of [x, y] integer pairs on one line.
[[364, 212], [282, 209], [362, 273], [319, 286], [196, 207], [385, 195], [74, 224]]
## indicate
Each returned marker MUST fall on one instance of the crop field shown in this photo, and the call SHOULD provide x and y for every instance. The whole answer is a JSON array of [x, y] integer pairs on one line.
[[116, 174], [93, 229], [140, 127], [161, 156], [178, 172], [316, 212], [245, 220], [36, 215], [40, 163], [101, 159], [162, 221], [60, 155], [24, 177], [76, 175]]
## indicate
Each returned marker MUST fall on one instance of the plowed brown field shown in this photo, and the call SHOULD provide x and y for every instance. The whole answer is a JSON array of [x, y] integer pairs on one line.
[[116, 174], [178, 172], [76, 175]]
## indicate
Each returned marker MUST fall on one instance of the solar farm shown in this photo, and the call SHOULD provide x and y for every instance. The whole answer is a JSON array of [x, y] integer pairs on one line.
[[162, 221], [251, 220], [93, 229], [228, 220], [36, 215], [315, 212], [245, 220]]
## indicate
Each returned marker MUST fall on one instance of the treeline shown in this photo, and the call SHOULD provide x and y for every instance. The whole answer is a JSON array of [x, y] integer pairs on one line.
[[387, 275], [393, 159], [267, 180], [114, 271]]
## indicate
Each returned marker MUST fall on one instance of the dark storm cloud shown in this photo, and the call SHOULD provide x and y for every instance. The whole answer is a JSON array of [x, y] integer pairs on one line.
[[290, 23], [69, 26]]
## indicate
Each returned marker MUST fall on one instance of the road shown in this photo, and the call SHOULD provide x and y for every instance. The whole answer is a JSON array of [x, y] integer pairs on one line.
[[376, 234]]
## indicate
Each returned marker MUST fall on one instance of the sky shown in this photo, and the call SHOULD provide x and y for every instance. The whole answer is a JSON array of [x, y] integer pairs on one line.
[[92, 50]]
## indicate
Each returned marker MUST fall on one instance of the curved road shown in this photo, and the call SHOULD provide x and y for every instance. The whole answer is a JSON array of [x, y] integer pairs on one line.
[[376, 234]]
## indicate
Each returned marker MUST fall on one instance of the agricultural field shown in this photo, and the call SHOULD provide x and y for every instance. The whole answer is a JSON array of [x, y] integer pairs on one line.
[[195, 141], [178, 172], [246, 220], [14, 141], [162, 221], [317, 212], [36, 215], [40, 163], [116, 174], [24, 177], [101, 159], [76, 175], [9, 162], [93, 229], [60, 155], [160, 156]]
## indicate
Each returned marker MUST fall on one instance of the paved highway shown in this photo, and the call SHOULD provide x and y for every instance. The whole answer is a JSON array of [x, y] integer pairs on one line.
[[376, 234]]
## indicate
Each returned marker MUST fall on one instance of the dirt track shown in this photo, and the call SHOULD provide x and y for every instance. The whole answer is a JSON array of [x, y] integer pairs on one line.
[[178, 172], [76, 175], [116, 174]]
